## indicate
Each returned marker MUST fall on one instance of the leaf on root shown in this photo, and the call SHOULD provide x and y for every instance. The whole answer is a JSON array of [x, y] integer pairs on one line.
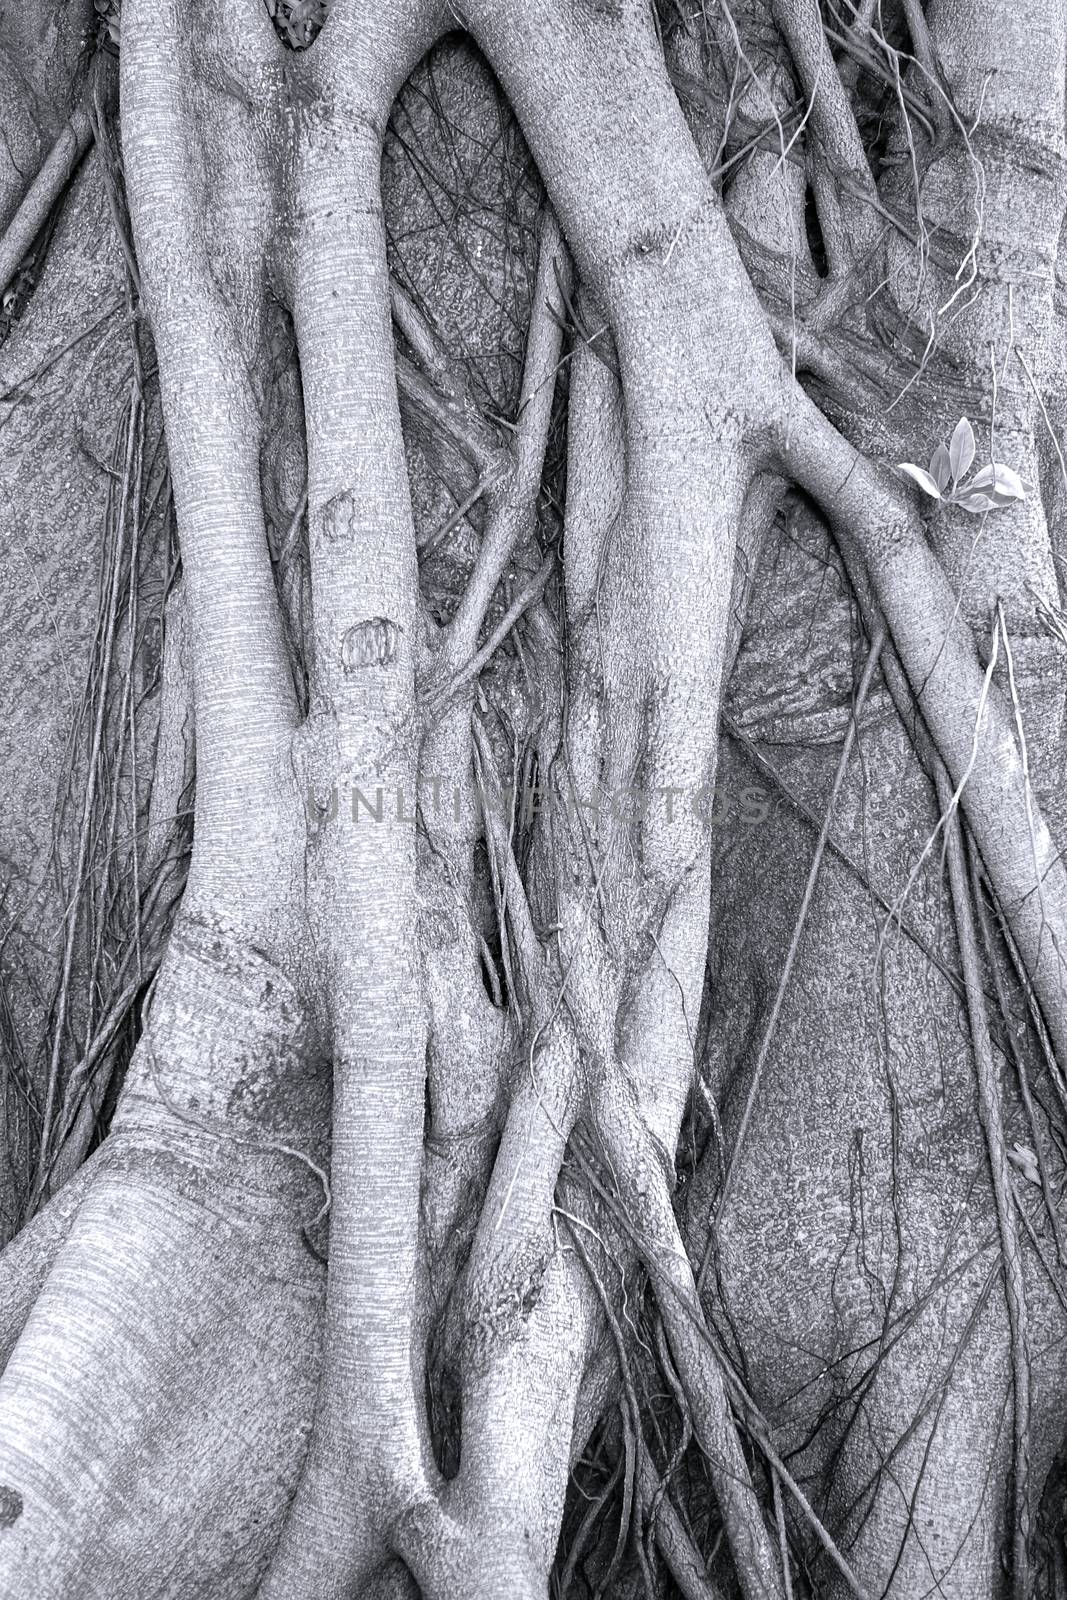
[[926, 483], [941, 468], [1000, 480], [961, 449]]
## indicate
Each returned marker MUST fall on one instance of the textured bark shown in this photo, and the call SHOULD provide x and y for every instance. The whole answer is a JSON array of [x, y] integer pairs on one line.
[[692, 1199]]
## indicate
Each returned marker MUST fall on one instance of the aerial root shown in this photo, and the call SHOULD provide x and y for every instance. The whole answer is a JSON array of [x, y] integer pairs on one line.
[[991, 1115], [59, 166], [713, 1391], [870, 667]]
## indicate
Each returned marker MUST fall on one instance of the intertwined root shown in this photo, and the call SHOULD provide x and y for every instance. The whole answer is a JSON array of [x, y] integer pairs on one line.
[[510, 1081], [602, 1015]]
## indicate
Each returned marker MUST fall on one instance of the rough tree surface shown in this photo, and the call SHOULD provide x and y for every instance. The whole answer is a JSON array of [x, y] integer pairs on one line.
[[533, 921]]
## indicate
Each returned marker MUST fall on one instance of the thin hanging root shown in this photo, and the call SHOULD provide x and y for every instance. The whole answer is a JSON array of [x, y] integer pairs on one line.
[[862, 877], [636, 1455], [923, 45], [783, 1533], [513, 515], [761, 1434], [1024, 754], [870, 666], [508, 476], [648, 1220], [527, 596], [89, 1077], [1055, 1070], [1017, 1057], [430, 349], [700, 1355], [687, 1566], [667, 1368], [667, 1527], [837, 136], [94, 778], [434, 540], [991, 1115], [581, 1539], [226, 1135], [647, 1214]]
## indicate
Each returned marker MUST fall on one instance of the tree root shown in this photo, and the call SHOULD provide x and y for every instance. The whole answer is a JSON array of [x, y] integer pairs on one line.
[[56, 172]]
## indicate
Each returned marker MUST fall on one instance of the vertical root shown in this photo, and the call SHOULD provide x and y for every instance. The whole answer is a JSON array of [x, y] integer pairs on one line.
[[991, 1114]]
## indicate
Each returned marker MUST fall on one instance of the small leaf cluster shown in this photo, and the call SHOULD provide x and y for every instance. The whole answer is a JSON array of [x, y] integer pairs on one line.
[[298, 21], [991, 488], [1024, 1160]]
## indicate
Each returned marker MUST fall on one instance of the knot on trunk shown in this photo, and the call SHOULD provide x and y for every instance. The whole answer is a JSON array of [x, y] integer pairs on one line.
[[373, 643], [10, 1506], [233, 1049], [499, 1309]]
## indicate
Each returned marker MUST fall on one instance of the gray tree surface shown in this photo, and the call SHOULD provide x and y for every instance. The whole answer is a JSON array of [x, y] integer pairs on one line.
[[533, 1021]]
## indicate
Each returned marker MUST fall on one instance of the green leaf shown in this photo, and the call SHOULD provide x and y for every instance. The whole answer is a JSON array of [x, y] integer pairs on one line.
[[961, 449], [921, 477], [941, 468], [975, 500], [1004, 480]]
